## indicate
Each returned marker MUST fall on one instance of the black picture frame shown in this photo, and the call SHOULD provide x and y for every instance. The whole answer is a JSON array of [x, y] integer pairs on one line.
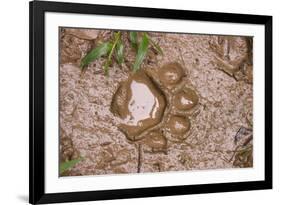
[[37, 9]]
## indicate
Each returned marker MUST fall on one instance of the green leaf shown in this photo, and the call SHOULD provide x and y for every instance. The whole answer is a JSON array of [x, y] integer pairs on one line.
[[141, 53], [120, 52], [96, 53], [68, 164], [109, 59], [134, 39], [156, 47]]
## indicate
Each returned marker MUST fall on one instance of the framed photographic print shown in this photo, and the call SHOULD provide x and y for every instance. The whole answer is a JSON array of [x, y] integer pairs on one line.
[[141, 102]]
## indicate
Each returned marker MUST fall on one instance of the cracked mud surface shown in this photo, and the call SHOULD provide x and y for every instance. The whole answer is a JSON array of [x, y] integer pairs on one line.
[[199, 117]]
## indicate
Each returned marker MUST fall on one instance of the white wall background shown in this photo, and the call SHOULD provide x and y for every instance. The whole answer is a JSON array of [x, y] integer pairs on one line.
[[14, 100]]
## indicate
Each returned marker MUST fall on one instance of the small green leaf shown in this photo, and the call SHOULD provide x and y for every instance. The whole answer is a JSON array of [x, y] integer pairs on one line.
[[68, 164], [109, 59], [134, 39], [96, 53], [119, 52], [156, 47], [141, 53]]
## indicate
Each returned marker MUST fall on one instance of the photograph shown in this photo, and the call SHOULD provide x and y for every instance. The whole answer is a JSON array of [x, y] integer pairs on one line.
[[140, 102], [132, 102], [135, 102]]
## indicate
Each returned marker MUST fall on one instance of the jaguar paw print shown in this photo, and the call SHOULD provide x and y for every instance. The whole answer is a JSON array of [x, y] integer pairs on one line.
[[155, 106]]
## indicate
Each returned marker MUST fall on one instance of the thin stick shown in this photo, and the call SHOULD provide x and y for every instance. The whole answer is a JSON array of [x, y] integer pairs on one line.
[[139, 157]]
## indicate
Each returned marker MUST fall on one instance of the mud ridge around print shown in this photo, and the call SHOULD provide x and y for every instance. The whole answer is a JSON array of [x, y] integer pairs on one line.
[[188, 109]]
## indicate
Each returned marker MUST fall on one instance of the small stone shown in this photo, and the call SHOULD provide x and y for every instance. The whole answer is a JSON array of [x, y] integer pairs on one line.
[[87, 34]]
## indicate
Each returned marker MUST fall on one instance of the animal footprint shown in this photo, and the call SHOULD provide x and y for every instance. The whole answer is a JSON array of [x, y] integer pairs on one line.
[[234, 56], [155, 105]]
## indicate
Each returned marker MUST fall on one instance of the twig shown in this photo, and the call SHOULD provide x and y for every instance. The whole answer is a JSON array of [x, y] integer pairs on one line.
[[242, 131], [248, 140], [139, 157]]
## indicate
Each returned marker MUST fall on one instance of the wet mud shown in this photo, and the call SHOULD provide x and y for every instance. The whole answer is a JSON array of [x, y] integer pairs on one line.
[[189, 109], [140, 104]]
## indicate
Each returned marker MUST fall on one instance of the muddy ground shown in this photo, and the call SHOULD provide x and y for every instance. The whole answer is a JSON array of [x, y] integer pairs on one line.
[[217, 68]]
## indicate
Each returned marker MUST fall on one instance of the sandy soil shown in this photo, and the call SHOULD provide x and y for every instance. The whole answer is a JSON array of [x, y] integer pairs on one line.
[[218, 68]]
